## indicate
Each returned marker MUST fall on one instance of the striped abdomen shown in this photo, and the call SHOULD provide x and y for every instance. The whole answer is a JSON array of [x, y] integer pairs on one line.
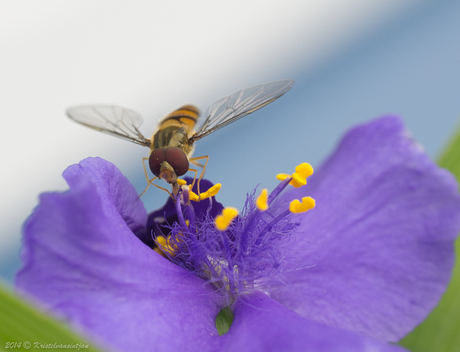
[[174, 129]]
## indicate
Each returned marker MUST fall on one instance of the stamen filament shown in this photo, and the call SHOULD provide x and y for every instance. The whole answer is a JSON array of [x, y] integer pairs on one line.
[[269, 226], [180, 216], [278, 189], [248, 228], [191, 218]]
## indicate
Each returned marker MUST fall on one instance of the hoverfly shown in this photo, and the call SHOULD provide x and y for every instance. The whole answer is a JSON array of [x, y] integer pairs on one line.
[[172, 144]]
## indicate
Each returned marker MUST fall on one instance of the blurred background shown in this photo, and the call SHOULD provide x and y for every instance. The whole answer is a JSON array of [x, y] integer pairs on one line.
[[352, 61]]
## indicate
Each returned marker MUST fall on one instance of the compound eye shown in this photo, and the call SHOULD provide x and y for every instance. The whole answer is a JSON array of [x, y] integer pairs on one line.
[[156, 159], [177, 159]]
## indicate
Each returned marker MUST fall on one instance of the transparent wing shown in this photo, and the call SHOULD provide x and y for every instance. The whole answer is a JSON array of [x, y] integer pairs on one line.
[[114, 120], [239, 104]]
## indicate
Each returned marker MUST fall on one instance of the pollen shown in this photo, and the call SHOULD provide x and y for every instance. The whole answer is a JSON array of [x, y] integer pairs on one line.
[[181, 182], [223, 221], [211, 192], [261, 201], [299, 177], [300, 207], [193, 196], [165, 246]]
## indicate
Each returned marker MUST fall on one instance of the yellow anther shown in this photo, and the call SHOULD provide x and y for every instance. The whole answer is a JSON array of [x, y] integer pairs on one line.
[[193, 196], [223, 221], [282, 177], [165, 246], [181, 182], [304, 170], [261, 201], [300, 207], [211, 192], [299, 177], [161, 241], [297, 180]]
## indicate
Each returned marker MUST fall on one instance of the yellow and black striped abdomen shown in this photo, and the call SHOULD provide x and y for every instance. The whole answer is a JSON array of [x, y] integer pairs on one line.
[[174, 130], [185, 117]]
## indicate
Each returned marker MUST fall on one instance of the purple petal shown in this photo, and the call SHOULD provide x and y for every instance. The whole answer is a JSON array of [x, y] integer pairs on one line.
[[376, 253], [262, 324], [82, 261]]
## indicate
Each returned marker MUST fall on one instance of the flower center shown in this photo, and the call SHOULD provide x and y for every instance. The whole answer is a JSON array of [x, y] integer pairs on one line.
[[234, 250]]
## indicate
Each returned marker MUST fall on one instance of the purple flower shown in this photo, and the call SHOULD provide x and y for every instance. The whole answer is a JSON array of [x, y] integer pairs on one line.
[[360, 270]]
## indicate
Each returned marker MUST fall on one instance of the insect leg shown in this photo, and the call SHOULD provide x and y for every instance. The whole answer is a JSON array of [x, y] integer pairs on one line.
[[164, 189], [146, 176], [194, 161], [150, 181], [194, 179]]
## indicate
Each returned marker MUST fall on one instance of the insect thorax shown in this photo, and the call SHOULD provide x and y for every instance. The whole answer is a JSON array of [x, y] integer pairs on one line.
[[172, 136]]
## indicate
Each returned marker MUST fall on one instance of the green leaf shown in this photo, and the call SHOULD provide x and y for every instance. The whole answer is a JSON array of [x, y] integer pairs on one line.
[[224, 320], [440, 332], [23, 327]]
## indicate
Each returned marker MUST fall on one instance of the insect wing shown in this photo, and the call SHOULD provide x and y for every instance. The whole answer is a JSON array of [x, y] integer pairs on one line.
[[239, 104], [113, 120]]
